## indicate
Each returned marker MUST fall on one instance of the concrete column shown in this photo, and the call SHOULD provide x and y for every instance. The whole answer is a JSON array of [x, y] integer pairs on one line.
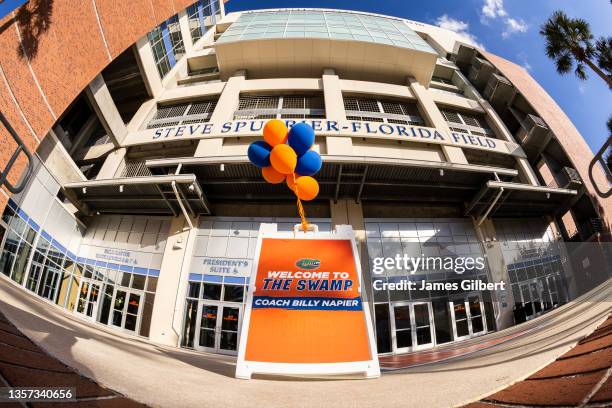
[[57, 160], [339, 212], [166, 320], [224, 112], [503, 302], [106, 110], [351, 213], [148, 69], [332, 93], [434, 117], [525, 169], [113, 164], [185, 32], [334, 110]]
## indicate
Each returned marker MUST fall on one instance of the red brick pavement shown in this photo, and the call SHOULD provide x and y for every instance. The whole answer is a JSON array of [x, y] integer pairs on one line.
[[579, 378], [24, 364]]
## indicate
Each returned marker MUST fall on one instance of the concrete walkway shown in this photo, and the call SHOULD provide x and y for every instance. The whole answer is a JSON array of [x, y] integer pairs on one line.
[[168, 377]]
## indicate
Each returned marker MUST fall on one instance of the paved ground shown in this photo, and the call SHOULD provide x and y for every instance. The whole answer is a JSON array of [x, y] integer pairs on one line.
[[24, 364], [579, 378], [169, 377]]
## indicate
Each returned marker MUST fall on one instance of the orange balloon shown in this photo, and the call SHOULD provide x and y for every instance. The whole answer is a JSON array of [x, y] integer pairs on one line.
[[272, 176], [289, 180], [275, 132], [307, 188], [283, 158]]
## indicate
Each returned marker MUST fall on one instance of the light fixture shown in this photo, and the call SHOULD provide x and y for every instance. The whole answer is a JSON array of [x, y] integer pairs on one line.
[[121, 188], [441, 172], [191, 188], [222, 167], [547, 196], [84, 190]]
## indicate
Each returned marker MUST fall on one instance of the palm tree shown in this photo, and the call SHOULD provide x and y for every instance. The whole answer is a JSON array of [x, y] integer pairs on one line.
[[603, 47], [569, 42]]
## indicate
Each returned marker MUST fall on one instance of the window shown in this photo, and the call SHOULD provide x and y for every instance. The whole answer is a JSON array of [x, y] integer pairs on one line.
[[339, 25], [533, 259], [202, 17], [167, 45], [183, 114], [55, 275], [467, 123], [387, 111], [280, 107]]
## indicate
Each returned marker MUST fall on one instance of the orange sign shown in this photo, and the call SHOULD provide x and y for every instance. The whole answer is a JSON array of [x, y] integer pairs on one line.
[[307, 307]]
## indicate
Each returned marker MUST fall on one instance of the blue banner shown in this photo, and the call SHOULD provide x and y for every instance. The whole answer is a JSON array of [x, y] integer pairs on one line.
[[306, 303]]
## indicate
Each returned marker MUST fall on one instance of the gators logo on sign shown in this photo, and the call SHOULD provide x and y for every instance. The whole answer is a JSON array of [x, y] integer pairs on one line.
[[306, 263]]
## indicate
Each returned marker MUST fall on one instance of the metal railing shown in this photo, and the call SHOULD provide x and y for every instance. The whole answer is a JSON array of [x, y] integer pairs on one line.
[[380, 110], [280, 107], [599, 158], [183, 114], [21, 147]]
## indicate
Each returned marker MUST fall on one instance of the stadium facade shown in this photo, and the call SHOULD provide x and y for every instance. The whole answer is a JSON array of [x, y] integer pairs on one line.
[[141, 210]]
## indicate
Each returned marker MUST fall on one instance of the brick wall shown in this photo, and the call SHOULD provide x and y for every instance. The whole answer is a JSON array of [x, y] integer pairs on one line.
[[568, 136], [51, 49]]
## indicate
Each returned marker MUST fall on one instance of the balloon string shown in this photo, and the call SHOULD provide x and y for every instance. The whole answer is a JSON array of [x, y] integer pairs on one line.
[[299, 205]]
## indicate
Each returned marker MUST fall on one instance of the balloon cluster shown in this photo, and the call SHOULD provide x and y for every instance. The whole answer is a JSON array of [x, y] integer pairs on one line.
[[286, 155]]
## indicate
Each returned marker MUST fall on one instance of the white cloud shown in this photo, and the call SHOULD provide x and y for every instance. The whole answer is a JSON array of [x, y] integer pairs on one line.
[[494, 9], [461, 28], [514, 26]]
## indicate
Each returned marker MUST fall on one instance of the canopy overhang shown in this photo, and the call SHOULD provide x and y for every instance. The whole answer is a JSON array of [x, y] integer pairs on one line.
[[508, 199], [168, 194]]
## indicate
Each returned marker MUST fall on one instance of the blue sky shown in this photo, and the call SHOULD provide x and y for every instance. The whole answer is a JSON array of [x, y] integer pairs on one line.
[[508, 28]]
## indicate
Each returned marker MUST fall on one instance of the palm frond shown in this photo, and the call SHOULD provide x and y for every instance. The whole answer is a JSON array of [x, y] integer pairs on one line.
[[564, 63], [580, 71]]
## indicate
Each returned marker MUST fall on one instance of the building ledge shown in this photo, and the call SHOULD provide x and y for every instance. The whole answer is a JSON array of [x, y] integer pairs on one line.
[[308, 57]]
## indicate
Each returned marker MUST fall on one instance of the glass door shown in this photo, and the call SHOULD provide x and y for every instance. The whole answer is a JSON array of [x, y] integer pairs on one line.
[[536, 297], [461, 324], [228, 330], [208, 326], [476, 315], [552, 290], [468, 316], [412, 326], [87, 303], [402, 327], [219, 327], [526, 300], [49, 282], [126, 309], [423, 328]]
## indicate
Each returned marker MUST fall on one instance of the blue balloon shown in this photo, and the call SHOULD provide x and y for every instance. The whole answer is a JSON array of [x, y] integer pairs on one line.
[[259, 153], [309, 164], [301, 137]]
